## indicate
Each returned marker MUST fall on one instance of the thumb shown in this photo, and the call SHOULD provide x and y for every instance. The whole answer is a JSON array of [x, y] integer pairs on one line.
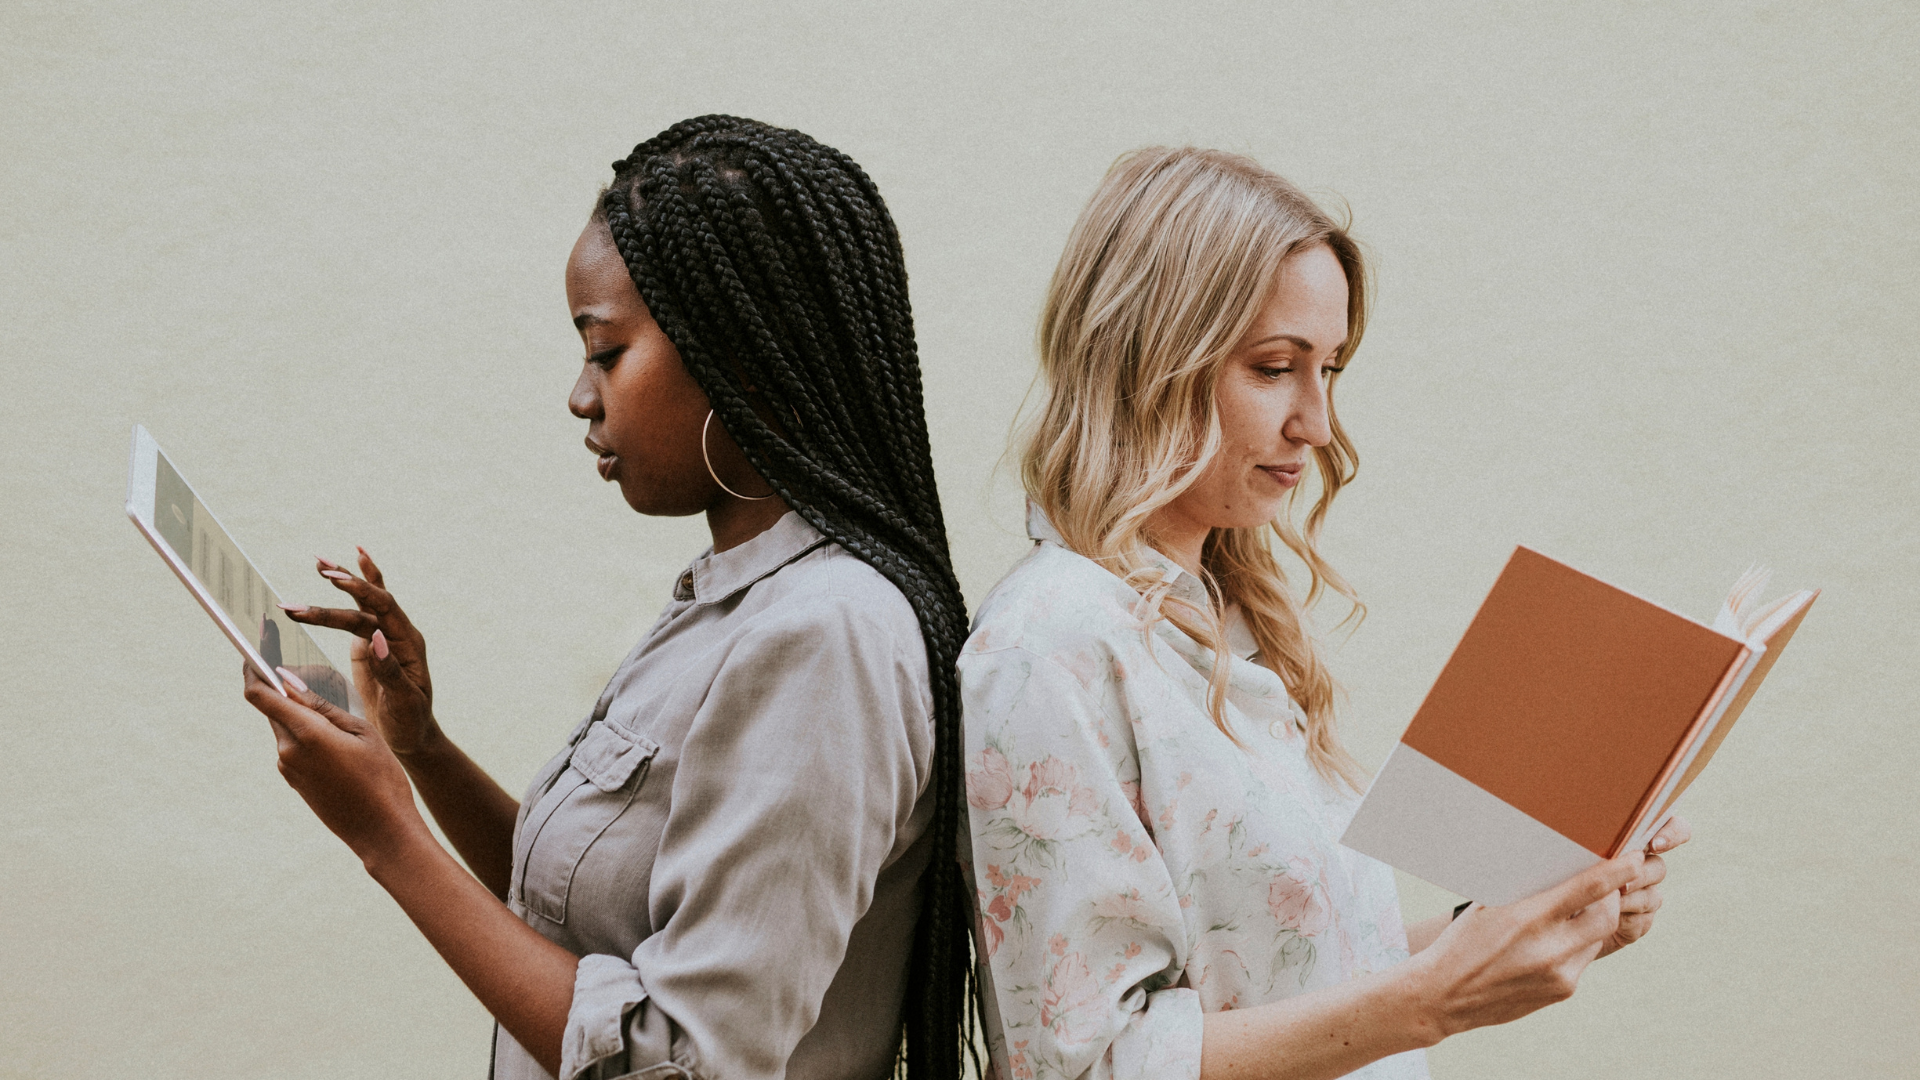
[[298, 692], [385, 667], [1592, 885]]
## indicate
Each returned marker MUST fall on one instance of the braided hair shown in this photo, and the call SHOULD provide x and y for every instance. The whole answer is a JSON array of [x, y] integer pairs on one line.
[[771, 263]]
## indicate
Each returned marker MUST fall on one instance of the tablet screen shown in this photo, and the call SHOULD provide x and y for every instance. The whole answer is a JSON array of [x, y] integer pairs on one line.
[[221, 577]]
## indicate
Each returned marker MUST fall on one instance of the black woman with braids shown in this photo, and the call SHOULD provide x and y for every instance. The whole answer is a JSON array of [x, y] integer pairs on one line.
[[743, 862]]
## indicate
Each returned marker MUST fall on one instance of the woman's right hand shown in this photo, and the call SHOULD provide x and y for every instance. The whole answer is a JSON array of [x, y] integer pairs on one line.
[[389, 655], [1496, 964]]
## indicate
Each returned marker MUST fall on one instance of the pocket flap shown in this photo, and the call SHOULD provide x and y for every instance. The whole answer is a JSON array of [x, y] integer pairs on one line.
[[608, 756]]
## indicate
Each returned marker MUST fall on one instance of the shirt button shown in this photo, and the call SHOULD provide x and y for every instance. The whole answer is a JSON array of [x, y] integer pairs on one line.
[[683, 589]]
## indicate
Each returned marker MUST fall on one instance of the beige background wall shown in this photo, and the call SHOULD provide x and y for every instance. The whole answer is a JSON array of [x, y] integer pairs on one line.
[[1647, 298]]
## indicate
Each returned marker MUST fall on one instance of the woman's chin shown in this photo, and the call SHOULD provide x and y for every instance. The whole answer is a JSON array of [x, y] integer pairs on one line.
[[1253, 513], [653, 502]]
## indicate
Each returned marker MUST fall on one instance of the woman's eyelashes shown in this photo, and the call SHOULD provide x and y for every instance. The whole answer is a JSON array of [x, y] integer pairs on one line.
[[605, 358], [1275, 371]]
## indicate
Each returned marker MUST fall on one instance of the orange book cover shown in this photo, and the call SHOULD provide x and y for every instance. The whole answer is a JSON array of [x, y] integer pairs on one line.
[[1566, 723]]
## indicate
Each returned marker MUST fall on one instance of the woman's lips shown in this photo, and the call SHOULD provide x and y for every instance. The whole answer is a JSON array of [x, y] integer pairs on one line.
[[1284, 475], [608, 459]]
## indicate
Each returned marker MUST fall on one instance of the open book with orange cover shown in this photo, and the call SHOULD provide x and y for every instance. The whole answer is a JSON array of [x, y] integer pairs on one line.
[[1563, 729]]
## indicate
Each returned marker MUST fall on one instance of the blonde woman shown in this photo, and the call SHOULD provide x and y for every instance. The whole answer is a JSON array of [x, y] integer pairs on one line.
[[1155, 788]]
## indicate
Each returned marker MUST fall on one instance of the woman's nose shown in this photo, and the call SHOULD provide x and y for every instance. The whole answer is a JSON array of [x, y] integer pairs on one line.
[[1311, 420], [584, 402]]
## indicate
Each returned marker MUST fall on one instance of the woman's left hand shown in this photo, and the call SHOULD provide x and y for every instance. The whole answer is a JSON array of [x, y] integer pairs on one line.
[[1641, 897], [340, 765]]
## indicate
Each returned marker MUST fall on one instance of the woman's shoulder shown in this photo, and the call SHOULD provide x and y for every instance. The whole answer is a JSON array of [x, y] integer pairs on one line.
[[834, 592], [1055, 602]]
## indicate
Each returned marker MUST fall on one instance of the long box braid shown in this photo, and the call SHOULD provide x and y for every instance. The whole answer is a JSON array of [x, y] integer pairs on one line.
[[771, 262]]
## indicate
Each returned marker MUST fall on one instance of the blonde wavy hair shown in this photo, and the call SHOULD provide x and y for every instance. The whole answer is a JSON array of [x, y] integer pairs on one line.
[[1162, 276]]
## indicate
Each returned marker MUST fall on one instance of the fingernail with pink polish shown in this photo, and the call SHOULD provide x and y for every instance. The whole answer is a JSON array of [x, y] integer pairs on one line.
[[336, 575], [293, 608], [380, 645], [326, 562], [292, 680]]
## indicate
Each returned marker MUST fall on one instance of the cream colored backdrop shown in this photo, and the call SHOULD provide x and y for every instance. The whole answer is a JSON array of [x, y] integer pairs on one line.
[[1647, 295]]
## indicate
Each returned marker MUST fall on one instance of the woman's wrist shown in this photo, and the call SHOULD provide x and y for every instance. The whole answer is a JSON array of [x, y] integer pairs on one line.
[[386, 852], [1421, 990], [428, 752], [1421, 1002]]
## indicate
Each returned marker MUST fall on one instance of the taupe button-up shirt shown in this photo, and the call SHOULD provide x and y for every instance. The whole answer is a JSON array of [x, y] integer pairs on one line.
[[732, 841]]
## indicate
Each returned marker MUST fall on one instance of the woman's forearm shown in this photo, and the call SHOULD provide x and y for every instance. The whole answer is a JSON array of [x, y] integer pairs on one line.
[[1324, 1034], [523, 979], [474, 811]]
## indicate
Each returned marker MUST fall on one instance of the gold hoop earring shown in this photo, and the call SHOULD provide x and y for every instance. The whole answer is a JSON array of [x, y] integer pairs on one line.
[[707, 423]]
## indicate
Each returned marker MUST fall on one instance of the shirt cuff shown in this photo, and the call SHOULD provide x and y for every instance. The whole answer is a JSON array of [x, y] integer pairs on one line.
[[1163, 1041], [605, 990]]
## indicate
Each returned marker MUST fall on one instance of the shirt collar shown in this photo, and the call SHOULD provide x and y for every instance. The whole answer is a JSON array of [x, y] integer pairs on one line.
[[714, 576], [1184, 585]]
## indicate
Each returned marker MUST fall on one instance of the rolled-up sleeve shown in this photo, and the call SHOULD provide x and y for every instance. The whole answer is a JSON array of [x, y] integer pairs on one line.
[[798, 779], [1079, 922]]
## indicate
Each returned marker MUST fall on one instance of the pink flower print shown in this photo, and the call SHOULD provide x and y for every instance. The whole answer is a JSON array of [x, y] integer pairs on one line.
[[1051, 772], [1222, 980], [1084, 667], [1298, 900], [1173, 805], [997, 877], [989, 780], [1013, 885], [1131, 789], [991, 932], [1017, 1061], [1082, 802], [1052, 805], [1071, 999], [1008, 888], [1124, 844], [1129, 905]]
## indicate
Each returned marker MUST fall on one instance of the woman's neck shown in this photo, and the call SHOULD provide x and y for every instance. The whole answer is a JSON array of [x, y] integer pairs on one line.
[[1178, 537], [735, 521]]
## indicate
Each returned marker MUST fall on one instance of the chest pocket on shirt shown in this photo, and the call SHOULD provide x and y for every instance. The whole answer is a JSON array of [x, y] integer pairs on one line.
[[607, 766]]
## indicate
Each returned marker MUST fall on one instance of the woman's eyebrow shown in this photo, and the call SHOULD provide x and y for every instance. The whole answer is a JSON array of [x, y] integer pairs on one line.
[[1295, 339], [588, 318]]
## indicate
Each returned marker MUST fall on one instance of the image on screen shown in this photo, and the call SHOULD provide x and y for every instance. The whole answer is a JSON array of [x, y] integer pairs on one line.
[[215, 559]]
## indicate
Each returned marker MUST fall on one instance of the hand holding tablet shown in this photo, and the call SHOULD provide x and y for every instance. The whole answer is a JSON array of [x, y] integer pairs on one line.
[[225, 582]]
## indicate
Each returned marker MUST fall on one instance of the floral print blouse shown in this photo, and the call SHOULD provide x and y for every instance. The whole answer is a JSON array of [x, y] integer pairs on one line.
[[1134, 868]]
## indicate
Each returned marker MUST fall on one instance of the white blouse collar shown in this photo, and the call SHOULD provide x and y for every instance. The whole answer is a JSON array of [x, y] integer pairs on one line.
[[1184, 585]]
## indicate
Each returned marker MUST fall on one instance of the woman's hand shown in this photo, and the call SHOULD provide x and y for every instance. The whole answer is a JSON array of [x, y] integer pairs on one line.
[[389, 655], [340, 765], [1496, 964], [1489, 966], [1641, 897]]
